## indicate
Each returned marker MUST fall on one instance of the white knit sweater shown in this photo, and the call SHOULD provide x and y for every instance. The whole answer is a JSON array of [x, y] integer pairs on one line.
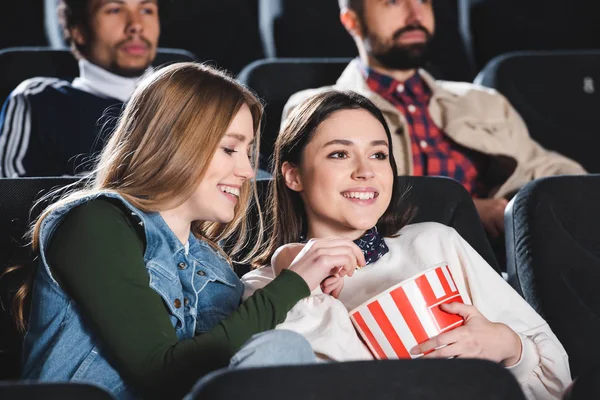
[[543, 370]]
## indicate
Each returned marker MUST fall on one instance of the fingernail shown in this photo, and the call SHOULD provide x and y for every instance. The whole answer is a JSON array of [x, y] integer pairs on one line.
[[415, 350]]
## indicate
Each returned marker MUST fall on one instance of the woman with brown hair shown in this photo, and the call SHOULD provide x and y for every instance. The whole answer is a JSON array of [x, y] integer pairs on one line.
[[133, 292], [334, 176]]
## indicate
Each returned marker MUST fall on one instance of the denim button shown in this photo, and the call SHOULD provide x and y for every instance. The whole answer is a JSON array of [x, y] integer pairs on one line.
[[201, 273], [177, 303], [182, 265]]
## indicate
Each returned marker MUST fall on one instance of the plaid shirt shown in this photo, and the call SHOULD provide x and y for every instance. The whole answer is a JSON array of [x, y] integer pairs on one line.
[[434, 153]]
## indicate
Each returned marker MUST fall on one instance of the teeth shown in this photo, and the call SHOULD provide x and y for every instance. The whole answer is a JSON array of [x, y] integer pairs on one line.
[[359, 195], [230, 190]]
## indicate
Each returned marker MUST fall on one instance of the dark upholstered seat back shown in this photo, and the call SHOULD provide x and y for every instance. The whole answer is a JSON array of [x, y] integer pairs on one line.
[[558, 96], [366, 380], [17, 196], [553, 258], [276, 80]]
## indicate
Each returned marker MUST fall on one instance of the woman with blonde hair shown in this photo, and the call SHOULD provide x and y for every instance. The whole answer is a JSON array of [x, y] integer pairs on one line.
[[133, 292]]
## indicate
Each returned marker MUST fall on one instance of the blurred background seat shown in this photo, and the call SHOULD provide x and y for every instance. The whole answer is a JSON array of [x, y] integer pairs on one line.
[[494, 27], [553, 259], [275, 80], [22, 24], [224, 33], [312, 28], [558, 96]]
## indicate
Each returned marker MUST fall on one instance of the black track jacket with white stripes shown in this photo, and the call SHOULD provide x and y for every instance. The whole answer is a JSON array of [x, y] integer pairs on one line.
[[50, 128]]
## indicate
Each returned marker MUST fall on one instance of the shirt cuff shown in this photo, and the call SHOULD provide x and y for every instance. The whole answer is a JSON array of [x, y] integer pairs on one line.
[[530, 359]]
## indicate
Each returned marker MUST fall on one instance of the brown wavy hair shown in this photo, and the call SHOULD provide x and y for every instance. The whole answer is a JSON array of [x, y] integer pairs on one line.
[[164, 142]]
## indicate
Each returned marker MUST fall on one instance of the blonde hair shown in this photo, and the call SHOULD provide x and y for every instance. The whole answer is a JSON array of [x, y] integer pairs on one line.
[[164, 142]]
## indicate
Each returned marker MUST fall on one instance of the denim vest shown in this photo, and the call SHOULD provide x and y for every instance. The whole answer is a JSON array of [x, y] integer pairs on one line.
[[197, 285]]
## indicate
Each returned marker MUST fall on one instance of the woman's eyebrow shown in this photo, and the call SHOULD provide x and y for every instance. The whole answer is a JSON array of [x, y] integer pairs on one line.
[[237, 136], [380, 143], [345, 142]]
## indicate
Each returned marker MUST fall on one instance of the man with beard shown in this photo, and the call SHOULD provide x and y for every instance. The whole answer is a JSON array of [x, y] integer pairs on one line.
[[52, 127], [466, 132]]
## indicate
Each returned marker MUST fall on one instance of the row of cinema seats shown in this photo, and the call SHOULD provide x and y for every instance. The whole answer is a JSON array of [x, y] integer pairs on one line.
[[554, 262], [469, 32], [21, 63], [556, 93], [421, 379]]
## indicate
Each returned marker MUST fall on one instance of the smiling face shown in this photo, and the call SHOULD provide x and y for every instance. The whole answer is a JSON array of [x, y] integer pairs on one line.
[[218, 192], [345, 178], [123, 35]]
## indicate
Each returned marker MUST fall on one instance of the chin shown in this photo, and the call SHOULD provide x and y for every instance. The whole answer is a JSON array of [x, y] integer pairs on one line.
[[133, 69], [364, 224]]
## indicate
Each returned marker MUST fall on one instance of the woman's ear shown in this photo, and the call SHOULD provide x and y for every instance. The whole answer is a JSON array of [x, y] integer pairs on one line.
[[291, 176]]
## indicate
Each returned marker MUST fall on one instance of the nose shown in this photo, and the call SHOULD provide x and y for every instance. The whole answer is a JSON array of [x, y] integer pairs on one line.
[[244, 169], [363, 170], [415, 12], [134, 23]]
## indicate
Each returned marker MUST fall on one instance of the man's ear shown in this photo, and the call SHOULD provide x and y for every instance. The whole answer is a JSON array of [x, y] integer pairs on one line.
[[78, 36], [291, 176], [351, 22]]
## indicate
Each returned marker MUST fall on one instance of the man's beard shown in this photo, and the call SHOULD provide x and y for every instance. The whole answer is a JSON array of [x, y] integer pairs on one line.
[[399, 57]]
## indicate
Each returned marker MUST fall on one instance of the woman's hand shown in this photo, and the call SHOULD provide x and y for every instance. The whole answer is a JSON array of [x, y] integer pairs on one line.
[[333, 285], [284, 255], [477, 338], [320, 258]]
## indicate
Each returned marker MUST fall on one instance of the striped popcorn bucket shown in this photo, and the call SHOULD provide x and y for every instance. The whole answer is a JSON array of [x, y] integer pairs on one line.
[[408, 313]]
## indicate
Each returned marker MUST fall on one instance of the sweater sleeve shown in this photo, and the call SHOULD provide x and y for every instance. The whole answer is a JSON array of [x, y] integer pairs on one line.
[[96, 255], [543, 369], [15, 132]]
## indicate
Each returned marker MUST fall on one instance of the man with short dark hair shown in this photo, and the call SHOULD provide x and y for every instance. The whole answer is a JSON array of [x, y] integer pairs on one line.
[[460, 130], [52, 127]]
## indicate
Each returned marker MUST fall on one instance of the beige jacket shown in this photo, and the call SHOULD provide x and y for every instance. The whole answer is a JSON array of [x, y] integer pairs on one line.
[[475, 117]]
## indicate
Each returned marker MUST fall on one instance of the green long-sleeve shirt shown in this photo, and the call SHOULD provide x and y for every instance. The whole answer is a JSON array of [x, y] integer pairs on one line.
[[97, 254]]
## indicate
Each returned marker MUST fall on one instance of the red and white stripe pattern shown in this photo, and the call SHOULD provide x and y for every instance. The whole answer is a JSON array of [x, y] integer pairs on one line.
[[407, 315]]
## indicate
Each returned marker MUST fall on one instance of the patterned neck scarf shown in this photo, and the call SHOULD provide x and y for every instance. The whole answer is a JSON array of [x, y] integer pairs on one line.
[[372, 245]]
